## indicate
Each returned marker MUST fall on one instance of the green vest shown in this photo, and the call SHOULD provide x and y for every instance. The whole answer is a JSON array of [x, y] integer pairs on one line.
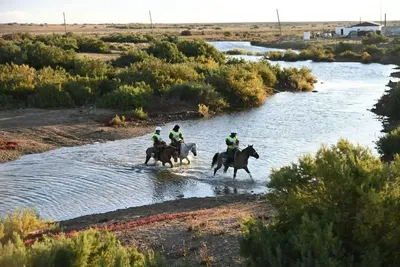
[[232, 140], [176, 136], [156, 136]]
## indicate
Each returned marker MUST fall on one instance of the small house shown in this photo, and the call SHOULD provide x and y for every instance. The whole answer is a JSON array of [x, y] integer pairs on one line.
[[361, 27]]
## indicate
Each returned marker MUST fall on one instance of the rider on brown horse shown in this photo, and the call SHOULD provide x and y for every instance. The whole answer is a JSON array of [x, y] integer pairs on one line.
[[233, 145], [176, 138], [158, 143]]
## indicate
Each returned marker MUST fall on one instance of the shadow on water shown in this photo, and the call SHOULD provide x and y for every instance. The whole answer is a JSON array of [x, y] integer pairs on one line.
[[75, 181]]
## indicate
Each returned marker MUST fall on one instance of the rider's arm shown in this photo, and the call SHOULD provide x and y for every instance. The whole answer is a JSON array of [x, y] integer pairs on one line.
[[180, 136], [171, 136], [228, 143]]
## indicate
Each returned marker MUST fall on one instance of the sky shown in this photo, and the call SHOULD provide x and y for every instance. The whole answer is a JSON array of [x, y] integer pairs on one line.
[[194, 11]]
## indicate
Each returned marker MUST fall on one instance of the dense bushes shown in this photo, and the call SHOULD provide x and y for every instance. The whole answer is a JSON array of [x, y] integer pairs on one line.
[[338, 208], [389, 144], [86, 248], [127, 97], [388, 105], [167, 51], [131, 56], [127, 38], [292, 79], [374, 38], [199, 48]]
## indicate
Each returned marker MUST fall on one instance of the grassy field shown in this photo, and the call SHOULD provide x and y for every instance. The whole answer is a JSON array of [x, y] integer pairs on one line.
[[231, 31]]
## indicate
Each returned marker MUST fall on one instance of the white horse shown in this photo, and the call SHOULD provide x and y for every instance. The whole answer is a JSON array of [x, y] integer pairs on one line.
[[185, 149]]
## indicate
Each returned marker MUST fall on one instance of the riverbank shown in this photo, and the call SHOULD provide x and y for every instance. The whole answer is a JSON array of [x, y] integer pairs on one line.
[[38, 130], [188, 231]]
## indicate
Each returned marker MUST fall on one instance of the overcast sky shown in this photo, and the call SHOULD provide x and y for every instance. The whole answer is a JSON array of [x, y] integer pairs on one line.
[[182, 11]]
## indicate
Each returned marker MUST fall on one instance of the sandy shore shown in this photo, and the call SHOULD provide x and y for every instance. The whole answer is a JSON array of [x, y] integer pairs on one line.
[[37, 130], [188, 231]]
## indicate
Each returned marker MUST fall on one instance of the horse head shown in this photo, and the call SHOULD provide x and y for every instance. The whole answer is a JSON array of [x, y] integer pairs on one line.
[[193, 149], [252, 152]]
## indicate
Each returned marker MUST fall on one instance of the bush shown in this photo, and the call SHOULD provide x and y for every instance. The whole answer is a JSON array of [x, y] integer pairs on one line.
[[61, 41], [127, 38], [289, 55], [388, 105], [389, 145], [80, 91], [342, 47], [126, 97], [203, 110], [317, 54], [159, 75], [40, 55], [350, 55], [200, 48], [131, 56], [12, 53], [292, 79], [50, 96], [17, 81], [376, 52], [186, 33], [374, 38], [275, 55], [197, 93], [90, 67], [227, 34], [366, 57], [167, 51], [92, 45], [337, 208], [7, 102], [139, 114]]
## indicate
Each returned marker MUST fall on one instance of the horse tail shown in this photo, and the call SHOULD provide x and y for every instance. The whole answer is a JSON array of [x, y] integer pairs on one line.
[[214, 160]]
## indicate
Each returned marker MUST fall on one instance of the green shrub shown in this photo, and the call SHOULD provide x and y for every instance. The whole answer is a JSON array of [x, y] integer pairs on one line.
[[203, 110], [374, 38], [90, 67], [40, 55], [350, 55], [127, 38], [275, 55], [131, 56], [61, 41], [126, 97], [337, 208], [317, 54], [343, 47], [197, 93], [80, 91], [139, 114], [92, 45], [389, 144], [366, 57], [50, 96], [376, 52], [389, 103], [167, 51], [239, 86], [158, 74], [186, 33], [227, 34], [289, 55], [7, 102], [17, 80], [12, 53], [200, 48], [292, 79]]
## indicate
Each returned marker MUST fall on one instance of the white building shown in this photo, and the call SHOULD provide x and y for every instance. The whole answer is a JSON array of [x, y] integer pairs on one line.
[[365, 26]]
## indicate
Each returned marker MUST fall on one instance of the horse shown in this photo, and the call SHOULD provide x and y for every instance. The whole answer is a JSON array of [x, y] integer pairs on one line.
[[185, 149], [166, 153], [240, 160]]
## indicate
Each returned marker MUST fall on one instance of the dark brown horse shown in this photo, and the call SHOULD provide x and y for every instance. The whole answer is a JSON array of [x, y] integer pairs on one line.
[[240, 161], [165, 155]]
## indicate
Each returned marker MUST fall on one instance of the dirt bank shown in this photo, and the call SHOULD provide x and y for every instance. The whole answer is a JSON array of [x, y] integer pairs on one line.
[[37, 131], [189, 231]]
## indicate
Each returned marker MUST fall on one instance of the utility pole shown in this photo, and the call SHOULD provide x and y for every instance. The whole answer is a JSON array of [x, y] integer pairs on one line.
[[385, 20], [151, 22], [279, 22], [65, 24]]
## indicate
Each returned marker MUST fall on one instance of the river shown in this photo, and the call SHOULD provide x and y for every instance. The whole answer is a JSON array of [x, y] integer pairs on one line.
[[71, 182]]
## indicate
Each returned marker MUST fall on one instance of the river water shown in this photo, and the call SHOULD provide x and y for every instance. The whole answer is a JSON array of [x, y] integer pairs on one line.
[[71, 182]]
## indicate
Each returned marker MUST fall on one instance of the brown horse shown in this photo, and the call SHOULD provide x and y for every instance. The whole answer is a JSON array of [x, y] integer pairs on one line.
[[240, 161], [166, 153]]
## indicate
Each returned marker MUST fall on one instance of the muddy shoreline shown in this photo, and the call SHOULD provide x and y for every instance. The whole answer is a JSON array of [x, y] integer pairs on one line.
[[184, 230], [38, 131]]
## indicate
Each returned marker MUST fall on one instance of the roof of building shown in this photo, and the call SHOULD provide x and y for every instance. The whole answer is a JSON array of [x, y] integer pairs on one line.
[[366, 24]]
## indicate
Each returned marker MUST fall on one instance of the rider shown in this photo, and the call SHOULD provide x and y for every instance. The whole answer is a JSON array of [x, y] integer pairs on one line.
[[158, 143], [176, 137], [233, 145]]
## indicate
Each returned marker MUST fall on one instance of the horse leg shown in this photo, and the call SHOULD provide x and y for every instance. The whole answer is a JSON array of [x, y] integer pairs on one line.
[[247, 170], [218, 167], [226, 167], [170, 162], [147, 159], [234, 173], [180, 159], [188, 160]]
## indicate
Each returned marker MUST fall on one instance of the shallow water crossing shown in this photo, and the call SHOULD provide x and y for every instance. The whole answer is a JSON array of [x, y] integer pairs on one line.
[[71, 182]]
